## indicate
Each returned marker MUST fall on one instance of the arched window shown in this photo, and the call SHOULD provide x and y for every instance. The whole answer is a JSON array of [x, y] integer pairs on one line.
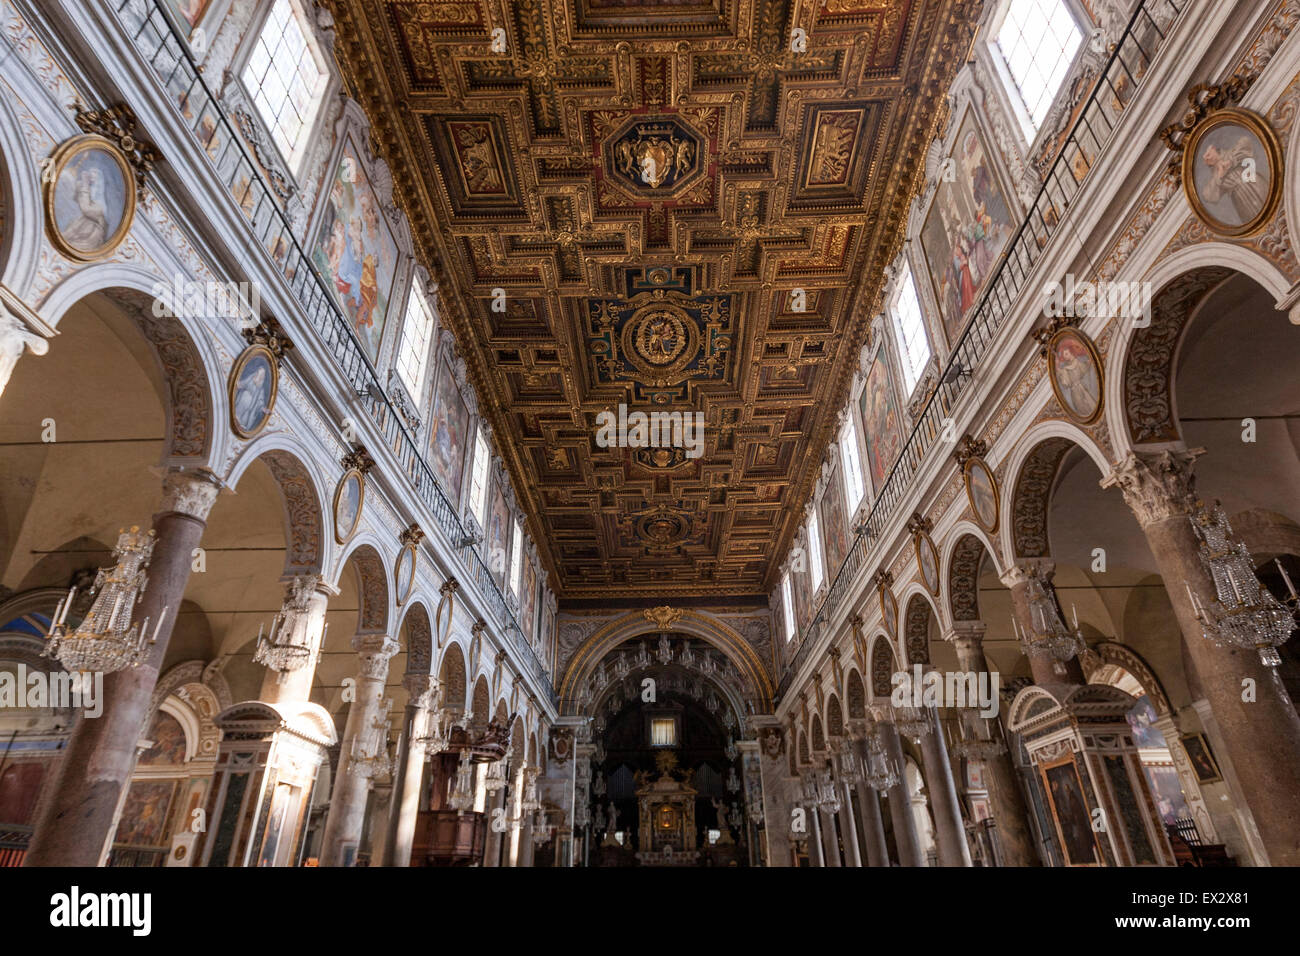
[[787, 605], [517, 557], [413, 353], [478, 481], [816, 567], [909, 330], [286, 76], [1037, 42], [854, 487]]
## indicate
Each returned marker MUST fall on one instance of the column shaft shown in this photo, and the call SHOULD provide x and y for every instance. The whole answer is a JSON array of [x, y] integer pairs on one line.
[[77, 823], [906, 838], [950, 832]]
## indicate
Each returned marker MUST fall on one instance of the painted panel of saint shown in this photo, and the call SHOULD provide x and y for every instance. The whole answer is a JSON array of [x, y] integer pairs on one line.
[[835, 527], [447, 431], [881, 423], [965, 230], [356, 251]]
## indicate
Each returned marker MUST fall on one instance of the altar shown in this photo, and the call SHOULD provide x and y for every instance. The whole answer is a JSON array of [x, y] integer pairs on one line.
[[666, 809]]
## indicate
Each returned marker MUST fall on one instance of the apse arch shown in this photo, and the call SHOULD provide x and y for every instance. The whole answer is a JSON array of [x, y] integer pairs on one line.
[[303, 494], [635, 624], [1113, 657], [1035, 464], [191, 369], [374, 587]]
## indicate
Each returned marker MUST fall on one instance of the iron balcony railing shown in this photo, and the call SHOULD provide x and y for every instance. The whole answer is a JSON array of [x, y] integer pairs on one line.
[[163, 48], [1115, 88]]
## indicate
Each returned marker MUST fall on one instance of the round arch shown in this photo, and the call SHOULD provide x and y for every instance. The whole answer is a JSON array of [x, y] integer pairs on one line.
[[453, 678], [964, 551], [414, 624], [1035, 463], [22, 197], [375, 589], [302, 489], [188, 362], [634, 624]]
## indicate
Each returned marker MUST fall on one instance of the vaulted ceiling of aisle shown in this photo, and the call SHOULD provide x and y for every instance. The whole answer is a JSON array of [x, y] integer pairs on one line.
[[649, 182]]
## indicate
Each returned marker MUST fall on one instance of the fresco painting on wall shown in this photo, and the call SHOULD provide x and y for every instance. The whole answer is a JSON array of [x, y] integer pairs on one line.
[[965, 230], [447, 431], [880, 422], [356, 251]]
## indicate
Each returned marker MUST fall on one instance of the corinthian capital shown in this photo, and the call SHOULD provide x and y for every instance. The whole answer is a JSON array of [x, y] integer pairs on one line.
[[190, 492], [1155, 486], [374, 651]]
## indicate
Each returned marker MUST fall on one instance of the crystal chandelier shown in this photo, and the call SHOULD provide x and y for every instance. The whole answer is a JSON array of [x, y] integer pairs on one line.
[[370, 754], [731, 750], [976, 748], [495, 778], [434, 736], [828, 795], [289, 645], [733, 782], [665, 653], [598, 785], [1245, 613], [643, 657], [542, 830], [911, 722], [1049, 636], [106, 640], [530, 801], [880, 772], [462, 794], [850, 768]]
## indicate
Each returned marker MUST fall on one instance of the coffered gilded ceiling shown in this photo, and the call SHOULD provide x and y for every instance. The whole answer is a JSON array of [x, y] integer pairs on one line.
[[649, 182]]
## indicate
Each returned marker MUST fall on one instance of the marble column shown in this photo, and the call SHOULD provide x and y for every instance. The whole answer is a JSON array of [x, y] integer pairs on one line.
[[294, 687], [950, 831], [347, 809], [1262, 732], [16, 338], [76, 825], [868, 801], [816, 849], [830, 845], [906, 838], [422, 699], [848, 827], [1013, 831], [492, 845], [1047, 671]]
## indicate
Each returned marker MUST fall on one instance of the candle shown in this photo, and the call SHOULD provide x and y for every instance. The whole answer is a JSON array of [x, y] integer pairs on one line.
[[1232, 579], [1075, 611], [1285, 577], [67, 604]]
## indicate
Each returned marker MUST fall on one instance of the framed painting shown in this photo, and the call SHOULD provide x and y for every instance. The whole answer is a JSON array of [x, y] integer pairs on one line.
[[889, 612], [1232, 172], [348, 499], [90, 198], [528, 601], [966, 228], [881, 422], [404, 572], [1076, 373], [254, 383], [497, 534], [835, 527], [927, 561], [448, 429], [1202, 761], [1070, 813], [982, 493], [356, 250]]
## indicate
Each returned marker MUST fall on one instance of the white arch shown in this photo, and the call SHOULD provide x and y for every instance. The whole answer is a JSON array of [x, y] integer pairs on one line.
[[107, 276], [1030, 440], [961, 529], [24, 212], [359, 539], [1202, 255]]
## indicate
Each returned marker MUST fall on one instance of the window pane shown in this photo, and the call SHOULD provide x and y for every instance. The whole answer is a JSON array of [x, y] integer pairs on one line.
[[413, 354], [285, 80], [1037, 41], [478, 485], [854, 488], [663, 732], [517, 558], [909, 329], [815, 563], [787, 605]]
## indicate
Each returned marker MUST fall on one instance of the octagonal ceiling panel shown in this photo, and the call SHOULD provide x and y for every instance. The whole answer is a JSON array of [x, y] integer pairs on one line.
[[687, 213]]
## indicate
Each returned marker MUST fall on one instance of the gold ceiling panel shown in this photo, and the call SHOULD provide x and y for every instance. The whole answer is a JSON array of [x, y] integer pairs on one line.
[[688, 210]]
